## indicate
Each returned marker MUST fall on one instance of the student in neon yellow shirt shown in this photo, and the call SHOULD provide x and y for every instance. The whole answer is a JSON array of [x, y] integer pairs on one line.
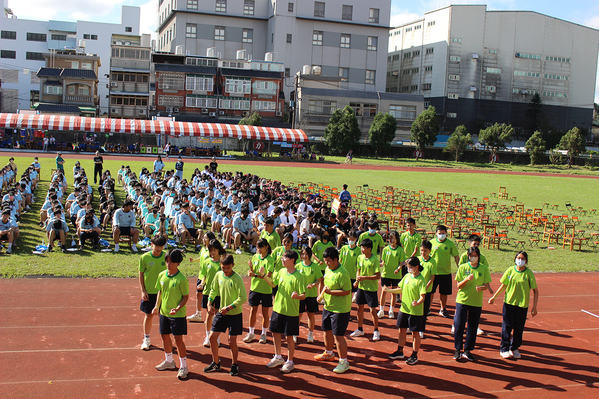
[[270, 235], [473, 241], [319, 247], [210, 266], [260, 290], [518, 281], [392, 259], [412, 288], [348, 257], [204, 255], [428, 272], [410, 240], [313, 276], [277, 253], [372, 235], [369, 272], [443, 250]]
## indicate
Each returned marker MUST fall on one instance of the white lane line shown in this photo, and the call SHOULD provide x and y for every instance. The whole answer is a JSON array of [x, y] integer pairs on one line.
[[592, 314], [82, 326], [70, 307], [135, 348]]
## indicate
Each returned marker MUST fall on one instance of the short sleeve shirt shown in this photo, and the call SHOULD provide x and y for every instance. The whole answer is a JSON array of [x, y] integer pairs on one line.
[[377, 241], [151, 266], [442, 253], [368, 267], [274, 240], [311, 274], [258, 284], [410, 242], [337, 279], [348, 257], [429, 270], [468, 295], [518, 285], [319, 247], [411, 290], [288, 283], [392, 258], [173, 289]]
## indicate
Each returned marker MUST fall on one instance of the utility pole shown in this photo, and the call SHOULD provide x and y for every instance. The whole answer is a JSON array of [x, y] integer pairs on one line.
[[296, 85]]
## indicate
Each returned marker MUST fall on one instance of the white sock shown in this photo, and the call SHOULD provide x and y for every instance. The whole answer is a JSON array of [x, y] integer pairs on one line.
[[289, 361], [343, 360], [264, 330], [251, 330], [10, 245], [116, 247], [169, 356], [134, 246], [183, 361], [278, 356], [329, 352]]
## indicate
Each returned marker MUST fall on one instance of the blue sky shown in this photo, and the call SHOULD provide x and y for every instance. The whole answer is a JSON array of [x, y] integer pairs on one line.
[[585, 12]]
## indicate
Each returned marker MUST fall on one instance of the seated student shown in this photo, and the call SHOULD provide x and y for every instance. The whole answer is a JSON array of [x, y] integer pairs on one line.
[[123, 223], [207, 210], [216, 219], [6, 230], [369, 273], [150, 221], [228, 285], [186, 227], [57, 229], [89, 228], [306, 229], [242, 228], [227, 227]]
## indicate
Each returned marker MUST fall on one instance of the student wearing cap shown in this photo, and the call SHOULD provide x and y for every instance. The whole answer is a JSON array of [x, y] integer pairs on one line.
[[123, 223]]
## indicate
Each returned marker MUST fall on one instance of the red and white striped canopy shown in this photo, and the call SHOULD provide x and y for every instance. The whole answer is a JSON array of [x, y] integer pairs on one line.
[[171, 128]]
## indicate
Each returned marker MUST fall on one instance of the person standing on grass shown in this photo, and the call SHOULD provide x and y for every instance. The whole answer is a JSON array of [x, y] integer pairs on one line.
[[518, 280], [392, 259], [173, 293], [98, 165], [443, 250], [60, 162], [473, 278], [260, 290], [291, 291], [228, 286], [412, 288], [345, 196], [179, 168], [158, 165], [151, 264], [369, 273]]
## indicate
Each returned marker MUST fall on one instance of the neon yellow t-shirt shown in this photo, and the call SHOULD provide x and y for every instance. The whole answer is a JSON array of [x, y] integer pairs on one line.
[[411, 290], [311, 273], [442, 253], [173, 289], [377, 241], [258, 284], [348, 257], [337, 279], [231, 291], [318, 249], [410, 242], [368, 267], [151, 267], [288, 283], [429, 270], [468, 295], [274, 240], [518, 285], [392, 258]]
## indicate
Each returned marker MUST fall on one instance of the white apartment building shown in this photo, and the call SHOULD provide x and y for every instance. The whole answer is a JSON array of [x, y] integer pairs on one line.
[[336, 38], [23, 44], [478, 66]]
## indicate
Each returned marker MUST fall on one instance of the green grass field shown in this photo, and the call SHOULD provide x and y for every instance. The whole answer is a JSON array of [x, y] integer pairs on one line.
[[531, 190]]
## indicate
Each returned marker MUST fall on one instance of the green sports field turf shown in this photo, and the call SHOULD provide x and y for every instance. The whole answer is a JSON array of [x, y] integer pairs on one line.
[[531, 190]]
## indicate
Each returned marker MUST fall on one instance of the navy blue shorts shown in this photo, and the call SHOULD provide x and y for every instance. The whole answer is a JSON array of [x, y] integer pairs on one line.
[[287, 325], [367, 297], [149, 305], [410, 321], [234, 323], [193, 232], [335, 322], [445, 284], [256, 299], [216, 302], [309, 305], [390, 282], [125, 231], [173, 325]]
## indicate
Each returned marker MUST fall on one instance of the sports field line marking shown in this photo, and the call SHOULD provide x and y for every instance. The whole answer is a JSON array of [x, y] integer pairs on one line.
[[81, 326], [70, 307], [592, 314], [136, 348]]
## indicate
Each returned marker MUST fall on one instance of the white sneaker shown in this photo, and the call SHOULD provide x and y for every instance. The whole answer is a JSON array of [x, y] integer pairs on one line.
[[452, 330], [391, 314], [207, 342], [505, 354], [134, 248], [262, 338], [252, 249], [145, 345], [275, 362], [226, 246], [238, 251], [310, 337], [166, 366], [381, 313], [287, 367], [116, 247], [353, 298], [295, 339], [421, 334], [479, 332], [196, 317], [357, 333], [182, 374], [376, 336], [515, 354], [249, 338]]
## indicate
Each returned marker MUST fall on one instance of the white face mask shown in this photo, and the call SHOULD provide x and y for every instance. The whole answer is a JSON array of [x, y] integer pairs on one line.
[[520, 262], [352, 242], [473, 259], [441, 237], [371, 231]]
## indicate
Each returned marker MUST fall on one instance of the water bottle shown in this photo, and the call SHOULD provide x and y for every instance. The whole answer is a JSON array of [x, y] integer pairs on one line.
[[73, 243]]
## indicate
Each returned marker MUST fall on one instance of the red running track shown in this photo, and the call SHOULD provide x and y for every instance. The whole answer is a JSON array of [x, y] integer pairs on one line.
[[80, 338]]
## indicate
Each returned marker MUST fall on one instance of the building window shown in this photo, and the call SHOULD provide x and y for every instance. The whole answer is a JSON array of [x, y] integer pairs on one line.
[[322, 107], [553, 94], [221, 5], [430, 23], [86, 65], [416, 53], [247, 36], [94, 37], [319, 9], [170, 101], [494, 70], [7, 34], [199, 83], [407, 55], [456, 40], [346, 13], [344, 74], [289, 38], [248, 7], [430, 50], [34, 56], [426, 86], [270, 106], [36, 37], [219, 33], [373, 17], [428, 68], [405, 88], [287, 71], [528, 56], [8, 54], [417, 27], [373, 42], [265, 87], [370, 76], [74, 64], [402, 112], [317, 38], [191, 31], [452, 96], [555, 77], [238, 86], [362, 109], [528, 74], [54, 90], [171, 81], [290, 7], [492, 51], [491, 89], [415, 71], [83, 90], [192, 4], [414, 87], [454, 77], [200, 102], [234, 103], [345, 41], [452, 115], [557, 59], [405, 72], [86, 36], [128, 29], [55, 36], [409, 29], [455, 58]]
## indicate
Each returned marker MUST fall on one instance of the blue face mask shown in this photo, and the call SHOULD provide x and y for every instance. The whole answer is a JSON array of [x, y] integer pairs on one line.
[[371, 231]]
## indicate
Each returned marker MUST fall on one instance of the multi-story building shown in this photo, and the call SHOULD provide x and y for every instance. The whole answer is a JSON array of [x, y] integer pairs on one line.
[[318, 97], [477, 66], [23, 44], [130, 77], [68, 84], [337, 38]]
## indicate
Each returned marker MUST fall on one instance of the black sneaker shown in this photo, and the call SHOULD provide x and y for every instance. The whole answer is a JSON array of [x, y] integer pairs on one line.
[[457, 355], [469, 356], [444, 313], [50, 249], [212, 367], [234, 370], [413, 359], [64, 249], [396, 355]]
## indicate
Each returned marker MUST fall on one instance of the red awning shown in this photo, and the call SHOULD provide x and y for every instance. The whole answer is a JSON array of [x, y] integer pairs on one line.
[[105, 125]]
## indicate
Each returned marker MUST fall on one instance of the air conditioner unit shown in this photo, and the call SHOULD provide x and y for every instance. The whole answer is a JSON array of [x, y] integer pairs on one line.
[[212, 114], [474, 56], [113, 84], [279, 113], [152, 108], [176, 109], [142, 111], [472, 88], [169, 110], [221, 112], [204, 110], [517, 55], [524, 91], [114, 110]]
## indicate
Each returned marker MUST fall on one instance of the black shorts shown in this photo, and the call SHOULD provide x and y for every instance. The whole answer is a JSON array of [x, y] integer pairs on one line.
[[287, 325], [335, 322], [234, 323], [198, 285], [4, 237], [444, 282], [353, 289], [410, 321], [125, 231], [149, 305], [215, 304], [256, 298], [367, 297], [309, 305], [193, 232], [390, 282], [173, 325]]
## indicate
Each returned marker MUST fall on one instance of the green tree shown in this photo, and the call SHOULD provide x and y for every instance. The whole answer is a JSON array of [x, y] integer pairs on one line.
[[535, 117], [382, 132], [535, 147], [496, 137], [425, 128], [573, 142], [342, 133], [252, 120], [458, 142]]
